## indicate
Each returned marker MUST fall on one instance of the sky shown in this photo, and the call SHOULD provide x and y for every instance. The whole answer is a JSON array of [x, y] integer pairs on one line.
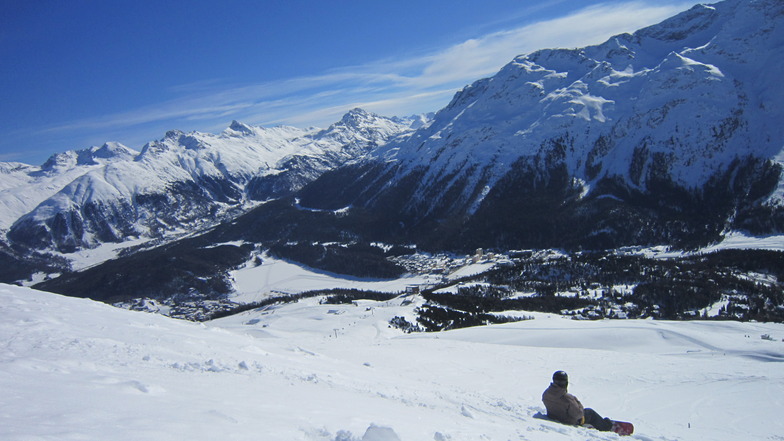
[[79, 73]]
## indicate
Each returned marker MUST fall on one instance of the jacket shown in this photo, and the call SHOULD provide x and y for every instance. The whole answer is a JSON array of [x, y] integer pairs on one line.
[[562, 406]]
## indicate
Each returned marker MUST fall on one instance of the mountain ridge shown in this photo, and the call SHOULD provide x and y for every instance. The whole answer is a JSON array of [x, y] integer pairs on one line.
[[111, 193]]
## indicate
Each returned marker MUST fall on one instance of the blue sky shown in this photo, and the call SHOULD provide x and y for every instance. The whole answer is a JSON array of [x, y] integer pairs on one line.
[[79, 73]]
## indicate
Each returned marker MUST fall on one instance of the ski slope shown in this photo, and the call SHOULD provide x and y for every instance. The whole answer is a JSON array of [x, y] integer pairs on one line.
[[74, 369]]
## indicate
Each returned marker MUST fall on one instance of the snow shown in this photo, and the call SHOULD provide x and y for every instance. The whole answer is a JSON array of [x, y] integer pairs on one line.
[[714, 309], [470, 270], [733, 240], [275, 277], [74, 369], [88, 257], [740, 240]]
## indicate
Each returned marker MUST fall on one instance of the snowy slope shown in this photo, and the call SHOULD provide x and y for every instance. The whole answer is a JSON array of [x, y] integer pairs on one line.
[[74, 369]]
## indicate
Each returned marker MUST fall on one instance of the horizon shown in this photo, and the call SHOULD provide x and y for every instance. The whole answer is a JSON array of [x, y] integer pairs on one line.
[[86, 73]]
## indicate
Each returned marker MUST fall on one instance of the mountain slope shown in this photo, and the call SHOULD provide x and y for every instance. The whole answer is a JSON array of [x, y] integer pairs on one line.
[[74, 369], [668, 135]]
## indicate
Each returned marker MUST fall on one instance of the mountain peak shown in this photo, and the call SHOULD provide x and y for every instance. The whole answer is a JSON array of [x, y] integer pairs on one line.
[[113, 150], [692, 25], [241, 128], [173, 134], [358, 111], [88, 156], [356, 116]]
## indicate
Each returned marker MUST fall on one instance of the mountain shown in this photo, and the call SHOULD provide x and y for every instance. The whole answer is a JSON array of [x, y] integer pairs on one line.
[[23, 187], [183, 182], [75, 369], [670, 135]]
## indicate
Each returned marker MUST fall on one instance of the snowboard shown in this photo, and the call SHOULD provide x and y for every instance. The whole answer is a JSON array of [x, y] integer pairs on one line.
[[622, 428]]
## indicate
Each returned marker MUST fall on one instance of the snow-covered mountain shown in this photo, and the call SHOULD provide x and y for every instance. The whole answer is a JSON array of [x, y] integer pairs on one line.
[[23, 186], [83, 198], [74, 369], [671, 135]]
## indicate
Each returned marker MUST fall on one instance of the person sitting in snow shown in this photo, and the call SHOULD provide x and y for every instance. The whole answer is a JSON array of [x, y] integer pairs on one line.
[[566, 408]]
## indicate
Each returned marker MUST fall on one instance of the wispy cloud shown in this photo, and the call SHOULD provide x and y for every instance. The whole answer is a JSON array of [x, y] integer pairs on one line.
[[478, 57], [422, 82]]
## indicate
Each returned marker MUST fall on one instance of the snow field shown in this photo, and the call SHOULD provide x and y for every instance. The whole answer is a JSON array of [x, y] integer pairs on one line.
[[73, 369], [275, 277]]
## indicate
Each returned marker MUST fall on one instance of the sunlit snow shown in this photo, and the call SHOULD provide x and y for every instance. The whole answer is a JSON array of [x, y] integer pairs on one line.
[[74, 369]]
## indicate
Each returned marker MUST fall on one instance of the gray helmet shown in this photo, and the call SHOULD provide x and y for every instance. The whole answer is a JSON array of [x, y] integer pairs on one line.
[[560, 378]]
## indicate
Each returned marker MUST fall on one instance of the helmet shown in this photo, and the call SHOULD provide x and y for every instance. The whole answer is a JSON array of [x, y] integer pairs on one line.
[[560, 378]]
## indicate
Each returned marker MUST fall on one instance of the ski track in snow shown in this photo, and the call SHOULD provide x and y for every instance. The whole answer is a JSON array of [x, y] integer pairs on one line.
[[73, 369]]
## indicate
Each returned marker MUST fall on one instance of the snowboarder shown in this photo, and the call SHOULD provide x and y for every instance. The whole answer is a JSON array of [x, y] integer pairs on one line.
[[566, 408]]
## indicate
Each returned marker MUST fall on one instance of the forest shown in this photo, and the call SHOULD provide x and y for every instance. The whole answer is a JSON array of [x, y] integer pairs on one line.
[[746, 283]]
